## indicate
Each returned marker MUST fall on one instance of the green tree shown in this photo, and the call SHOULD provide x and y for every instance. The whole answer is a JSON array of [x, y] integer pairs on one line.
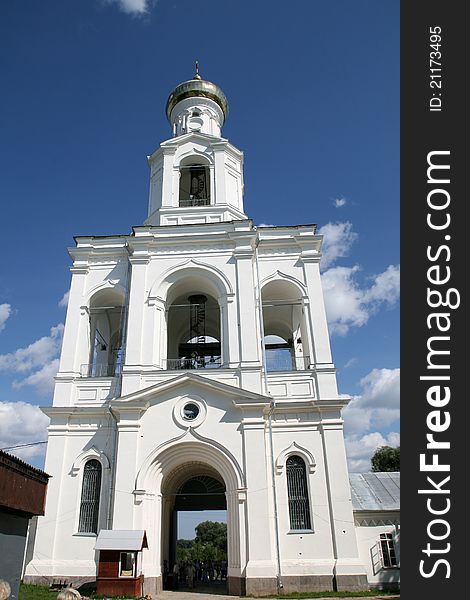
[[213, 533], [386, 459]]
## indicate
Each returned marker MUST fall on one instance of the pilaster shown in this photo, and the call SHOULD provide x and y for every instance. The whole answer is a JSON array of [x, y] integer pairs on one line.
[[75, 343], [128, 427], [259, 528], [137, 306], [250, 346], [343, 532]]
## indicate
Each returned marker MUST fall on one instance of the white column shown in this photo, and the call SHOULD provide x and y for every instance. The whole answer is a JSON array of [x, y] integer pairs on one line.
[[156, 329], [149, 518], [128, 427], [247, 324], [261, 560], [135, 320], [229, 329], [170, 184], [76, 343], [220, 193], [321, 338], [343, 531]]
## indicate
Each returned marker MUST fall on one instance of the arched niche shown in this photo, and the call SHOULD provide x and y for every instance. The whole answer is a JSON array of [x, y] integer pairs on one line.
[[194, 323], [286, 337], [107, 321], [194, 181]]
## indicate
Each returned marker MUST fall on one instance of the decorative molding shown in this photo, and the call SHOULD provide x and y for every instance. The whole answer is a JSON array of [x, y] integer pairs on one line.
[[376, 522], [178, 411], [175, 443], [280, 276], [295, 448], [106, 285], [176, 272], [86, 455]]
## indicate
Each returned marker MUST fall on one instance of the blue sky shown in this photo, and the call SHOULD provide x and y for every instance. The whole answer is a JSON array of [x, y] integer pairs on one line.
[[313, 89]]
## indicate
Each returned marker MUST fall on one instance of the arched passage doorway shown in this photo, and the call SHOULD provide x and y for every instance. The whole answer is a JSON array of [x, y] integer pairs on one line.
[[196, 487], [165, 472]]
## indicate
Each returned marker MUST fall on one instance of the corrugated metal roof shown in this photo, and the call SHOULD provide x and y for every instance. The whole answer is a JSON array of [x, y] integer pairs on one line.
[[375, 491], [121, 539]]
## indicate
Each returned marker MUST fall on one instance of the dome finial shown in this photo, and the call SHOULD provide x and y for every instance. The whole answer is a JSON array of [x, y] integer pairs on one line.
[[197, 76]]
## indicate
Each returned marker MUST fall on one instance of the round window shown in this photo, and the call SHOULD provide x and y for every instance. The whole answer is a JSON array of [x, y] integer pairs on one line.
[[190, 411]]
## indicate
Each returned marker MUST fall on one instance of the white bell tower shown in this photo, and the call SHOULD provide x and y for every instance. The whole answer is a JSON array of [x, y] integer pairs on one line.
[[197, 176], [196, 353]]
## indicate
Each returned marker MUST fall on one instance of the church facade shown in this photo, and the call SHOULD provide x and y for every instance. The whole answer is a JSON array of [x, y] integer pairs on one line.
[[196, 372]]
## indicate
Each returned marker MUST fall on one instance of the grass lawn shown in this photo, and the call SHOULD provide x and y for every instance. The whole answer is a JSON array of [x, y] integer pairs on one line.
[[36, 592], [42, 592]]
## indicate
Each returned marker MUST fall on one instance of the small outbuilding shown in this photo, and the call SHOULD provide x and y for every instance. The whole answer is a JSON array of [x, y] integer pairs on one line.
[[376, 507], [22, 496], [120, 562]]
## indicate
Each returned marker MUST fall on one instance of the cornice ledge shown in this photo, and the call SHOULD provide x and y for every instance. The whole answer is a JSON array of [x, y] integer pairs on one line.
[[333, 402]]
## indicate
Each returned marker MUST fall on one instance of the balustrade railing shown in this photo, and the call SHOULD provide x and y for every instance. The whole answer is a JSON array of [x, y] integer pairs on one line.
[[273, 364], [100, 370], [200, 362], [194, 202], [286, 363]]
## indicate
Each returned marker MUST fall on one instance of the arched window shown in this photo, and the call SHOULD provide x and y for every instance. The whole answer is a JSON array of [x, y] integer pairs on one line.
[[285, 327], [194, 332], [107, 317], [194, 185], [297, 491], [90, 501]]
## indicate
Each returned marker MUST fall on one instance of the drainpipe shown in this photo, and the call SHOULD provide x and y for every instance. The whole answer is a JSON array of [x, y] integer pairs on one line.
[[280, 585], [112, 487], [272, 406]]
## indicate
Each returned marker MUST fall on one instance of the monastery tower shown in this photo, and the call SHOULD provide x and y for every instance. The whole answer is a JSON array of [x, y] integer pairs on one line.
[[196, 356]]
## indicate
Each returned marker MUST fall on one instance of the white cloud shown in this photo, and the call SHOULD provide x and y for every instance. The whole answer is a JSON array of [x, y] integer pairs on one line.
[[266, 225], [133, 7], [36, 355], [5, 312], [376, 408], [42, 380], [337, 242], [379, 404], [22, 423], [40, 357], [350, 305], [339, 202], [64, 301], [361, 449], [386, 287]]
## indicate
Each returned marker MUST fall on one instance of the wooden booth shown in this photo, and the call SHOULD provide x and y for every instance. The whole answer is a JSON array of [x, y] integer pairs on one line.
[[120, 562]]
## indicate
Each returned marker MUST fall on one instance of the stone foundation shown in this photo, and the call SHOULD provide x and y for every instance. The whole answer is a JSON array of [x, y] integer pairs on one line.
[[261, 586], [152, 586], [307, 583], [351, 583], [74, 581], [236, 586], [239, 586]]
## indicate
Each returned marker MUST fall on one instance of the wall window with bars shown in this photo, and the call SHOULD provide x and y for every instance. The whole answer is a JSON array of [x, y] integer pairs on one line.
[[90, 500], [297, 492]]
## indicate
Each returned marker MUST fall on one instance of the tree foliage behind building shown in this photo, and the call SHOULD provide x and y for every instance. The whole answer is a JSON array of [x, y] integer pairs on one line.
[[210, 543], [386, 459]]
